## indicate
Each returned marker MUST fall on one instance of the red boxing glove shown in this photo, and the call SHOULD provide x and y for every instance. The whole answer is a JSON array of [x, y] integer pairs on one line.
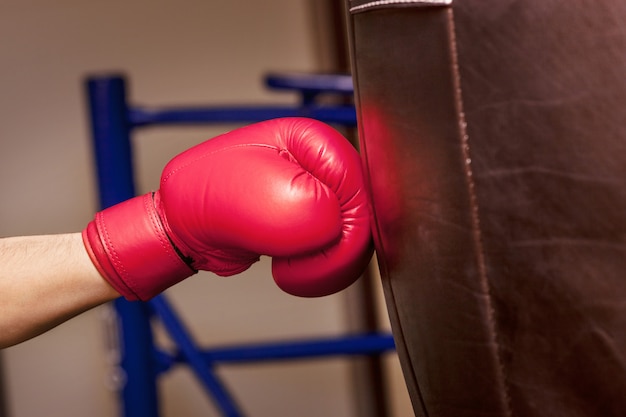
[[290, 188]]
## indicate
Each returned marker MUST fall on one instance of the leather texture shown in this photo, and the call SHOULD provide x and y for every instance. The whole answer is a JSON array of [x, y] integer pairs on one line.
[[292, 189], [495, 146]]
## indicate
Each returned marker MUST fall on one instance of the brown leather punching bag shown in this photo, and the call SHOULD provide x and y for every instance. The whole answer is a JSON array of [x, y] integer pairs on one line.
[[494, 137]]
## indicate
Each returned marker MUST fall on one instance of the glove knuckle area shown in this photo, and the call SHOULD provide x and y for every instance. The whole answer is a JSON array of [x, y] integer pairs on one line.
[[327, 155], [292, 213], [252, 197]]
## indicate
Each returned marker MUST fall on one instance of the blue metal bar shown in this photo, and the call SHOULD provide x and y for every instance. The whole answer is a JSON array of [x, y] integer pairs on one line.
[[113, 155], [191, 353], [343, 115], [312, 83], [311, 86], [367, 344]]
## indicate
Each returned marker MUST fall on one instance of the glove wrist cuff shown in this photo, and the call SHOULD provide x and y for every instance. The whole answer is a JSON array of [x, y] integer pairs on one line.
[[130, 248]]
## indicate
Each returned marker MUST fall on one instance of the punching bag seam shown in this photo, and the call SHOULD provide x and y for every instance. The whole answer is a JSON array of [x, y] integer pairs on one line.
[[475, 218]]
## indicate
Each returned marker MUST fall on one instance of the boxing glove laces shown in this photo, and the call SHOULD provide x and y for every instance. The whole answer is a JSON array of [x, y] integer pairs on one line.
[[291, 189]]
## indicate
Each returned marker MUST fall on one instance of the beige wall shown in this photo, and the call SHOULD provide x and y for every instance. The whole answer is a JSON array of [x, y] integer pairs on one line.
[[174, 52]]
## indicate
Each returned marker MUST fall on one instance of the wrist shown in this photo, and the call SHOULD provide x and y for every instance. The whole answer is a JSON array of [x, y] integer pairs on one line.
[[128, 245]]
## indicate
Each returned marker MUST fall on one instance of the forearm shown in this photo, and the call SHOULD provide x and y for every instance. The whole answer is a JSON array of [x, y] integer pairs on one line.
[[44, 281]]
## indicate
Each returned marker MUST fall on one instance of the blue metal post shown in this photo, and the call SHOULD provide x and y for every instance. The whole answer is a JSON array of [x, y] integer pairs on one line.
[[191, 352], [112, 147]]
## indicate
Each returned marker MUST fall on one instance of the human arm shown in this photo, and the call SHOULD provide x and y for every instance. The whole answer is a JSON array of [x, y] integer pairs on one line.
[[44, 281], [291, 189]]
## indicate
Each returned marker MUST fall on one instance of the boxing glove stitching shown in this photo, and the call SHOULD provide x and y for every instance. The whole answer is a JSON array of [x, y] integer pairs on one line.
[[156, 224], [164, 239], [99, 253], [118, 266], [109, 243]]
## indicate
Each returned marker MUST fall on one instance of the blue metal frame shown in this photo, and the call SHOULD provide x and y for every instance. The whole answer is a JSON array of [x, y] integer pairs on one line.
[[112, 121]]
